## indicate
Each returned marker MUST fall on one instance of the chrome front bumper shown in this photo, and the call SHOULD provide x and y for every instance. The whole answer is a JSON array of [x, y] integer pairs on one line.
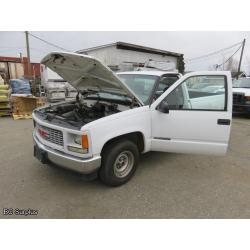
[[83, 166]]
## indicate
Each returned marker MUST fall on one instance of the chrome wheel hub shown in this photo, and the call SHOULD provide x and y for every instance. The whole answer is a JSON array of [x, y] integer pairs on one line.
[[123, 164]]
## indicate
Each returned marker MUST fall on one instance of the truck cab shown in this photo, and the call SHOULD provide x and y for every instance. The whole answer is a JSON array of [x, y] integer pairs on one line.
[[117, 117]]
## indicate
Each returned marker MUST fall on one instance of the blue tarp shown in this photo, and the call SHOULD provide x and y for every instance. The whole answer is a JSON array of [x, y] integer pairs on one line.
[[20, 86]]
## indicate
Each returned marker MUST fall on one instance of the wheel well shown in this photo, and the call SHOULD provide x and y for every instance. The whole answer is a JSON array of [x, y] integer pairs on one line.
[[136, 137]]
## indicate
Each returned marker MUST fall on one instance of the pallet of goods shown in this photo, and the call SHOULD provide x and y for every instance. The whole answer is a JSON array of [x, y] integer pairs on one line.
[[5, 109], [23, 106], [22, 101], [40, 101]]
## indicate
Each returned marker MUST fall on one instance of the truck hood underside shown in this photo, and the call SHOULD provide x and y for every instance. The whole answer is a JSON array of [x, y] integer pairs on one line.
[[86, 73]]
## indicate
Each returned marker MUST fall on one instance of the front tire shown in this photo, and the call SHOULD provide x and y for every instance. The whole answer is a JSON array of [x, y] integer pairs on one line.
[[119, 162]]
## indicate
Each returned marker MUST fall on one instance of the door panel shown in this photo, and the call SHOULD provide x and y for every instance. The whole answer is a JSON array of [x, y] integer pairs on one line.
[[192, 124], [189, 132]]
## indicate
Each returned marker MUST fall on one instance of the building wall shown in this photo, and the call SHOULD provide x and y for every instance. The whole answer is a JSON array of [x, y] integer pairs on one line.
[[112, 56], [14, 67], [16, 70]]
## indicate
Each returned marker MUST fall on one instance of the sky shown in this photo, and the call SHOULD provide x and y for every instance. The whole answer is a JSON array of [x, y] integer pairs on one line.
[[191, 43]]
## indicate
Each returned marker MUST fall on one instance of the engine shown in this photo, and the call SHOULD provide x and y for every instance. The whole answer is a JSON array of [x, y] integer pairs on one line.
[[80, 113]]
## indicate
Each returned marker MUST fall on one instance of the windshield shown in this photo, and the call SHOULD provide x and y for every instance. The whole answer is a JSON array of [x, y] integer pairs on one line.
[[142, 85], [241, 83]]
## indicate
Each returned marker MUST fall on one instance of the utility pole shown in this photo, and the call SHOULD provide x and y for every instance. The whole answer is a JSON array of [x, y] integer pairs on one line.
[[21, 56], [241, 55], [28, 52]]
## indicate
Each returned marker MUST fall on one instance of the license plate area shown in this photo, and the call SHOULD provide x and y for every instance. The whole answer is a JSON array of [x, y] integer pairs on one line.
[[40, 154]]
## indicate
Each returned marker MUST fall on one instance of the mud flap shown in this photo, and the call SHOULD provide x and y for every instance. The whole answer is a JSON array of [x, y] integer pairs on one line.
[[41, 155]]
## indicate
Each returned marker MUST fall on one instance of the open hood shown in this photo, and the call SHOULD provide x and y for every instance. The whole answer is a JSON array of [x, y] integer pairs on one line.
[[85, 73]]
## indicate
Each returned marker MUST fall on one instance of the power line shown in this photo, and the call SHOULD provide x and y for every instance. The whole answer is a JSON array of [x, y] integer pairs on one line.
[[213, 53], [47, 42], [217, 66], [214, 58]]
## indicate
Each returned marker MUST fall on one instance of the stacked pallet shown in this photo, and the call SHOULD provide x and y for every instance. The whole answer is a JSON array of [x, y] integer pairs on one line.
[[5, 109], [40, 101], [23, 106]]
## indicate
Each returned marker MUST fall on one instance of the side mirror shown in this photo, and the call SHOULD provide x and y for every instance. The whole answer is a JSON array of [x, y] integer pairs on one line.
[[163, 107]]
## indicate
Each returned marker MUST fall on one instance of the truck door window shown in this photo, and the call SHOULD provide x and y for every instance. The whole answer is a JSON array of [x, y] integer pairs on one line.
[[164, 83], [176, 98], [199, 93]]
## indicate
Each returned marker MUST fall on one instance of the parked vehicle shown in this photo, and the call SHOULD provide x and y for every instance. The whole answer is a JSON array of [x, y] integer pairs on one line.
[[71, 92], [54, 85], [55, 90], [55, 95], [241, 95], [213, 89], [115, 118]]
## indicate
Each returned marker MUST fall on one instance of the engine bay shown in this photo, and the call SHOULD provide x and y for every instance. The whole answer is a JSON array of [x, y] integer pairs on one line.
[[77, 113]]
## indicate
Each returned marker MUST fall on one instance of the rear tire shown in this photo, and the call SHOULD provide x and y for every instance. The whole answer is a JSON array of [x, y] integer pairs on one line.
[[119, 162]]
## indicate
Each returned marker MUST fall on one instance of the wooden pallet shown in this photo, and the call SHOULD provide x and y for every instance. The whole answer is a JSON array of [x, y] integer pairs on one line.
[[22, 116], [40, 104], [25, 105]]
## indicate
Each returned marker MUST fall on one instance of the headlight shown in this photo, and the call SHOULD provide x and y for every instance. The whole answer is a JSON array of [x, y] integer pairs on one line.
[[78, 139], [82, 141]]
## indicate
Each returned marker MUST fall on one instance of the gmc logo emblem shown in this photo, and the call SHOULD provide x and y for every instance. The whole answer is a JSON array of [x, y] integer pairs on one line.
[[43, 133]]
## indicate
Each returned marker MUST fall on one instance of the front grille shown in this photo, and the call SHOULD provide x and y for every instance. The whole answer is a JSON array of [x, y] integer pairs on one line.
[[238, 98], [51, 135]]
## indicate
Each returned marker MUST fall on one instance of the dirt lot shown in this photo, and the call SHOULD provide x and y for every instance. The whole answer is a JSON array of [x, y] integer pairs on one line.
[[165, 185]]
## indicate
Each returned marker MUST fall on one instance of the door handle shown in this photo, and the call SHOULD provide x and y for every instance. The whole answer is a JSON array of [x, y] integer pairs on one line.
[[223, 121]]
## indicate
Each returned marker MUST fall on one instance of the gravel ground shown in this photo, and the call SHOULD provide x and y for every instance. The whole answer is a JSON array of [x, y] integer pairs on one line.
[[165, 185]]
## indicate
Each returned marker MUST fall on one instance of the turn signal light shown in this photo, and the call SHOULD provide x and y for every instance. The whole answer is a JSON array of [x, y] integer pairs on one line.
[[85, 142]]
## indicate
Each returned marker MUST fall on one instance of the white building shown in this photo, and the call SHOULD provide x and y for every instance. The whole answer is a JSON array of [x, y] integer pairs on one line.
[[122, 56]]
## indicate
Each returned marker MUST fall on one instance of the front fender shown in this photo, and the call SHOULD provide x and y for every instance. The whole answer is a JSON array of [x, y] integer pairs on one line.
[[136, 120]]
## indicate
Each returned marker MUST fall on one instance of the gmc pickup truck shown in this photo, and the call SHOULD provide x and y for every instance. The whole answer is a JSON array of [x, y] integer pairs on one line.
[[117, 117], [241, 96]]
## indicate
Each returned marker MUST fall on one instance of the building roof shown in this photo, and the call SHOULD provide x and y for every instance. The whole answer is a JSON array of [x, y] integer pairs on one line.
[[133, 47]]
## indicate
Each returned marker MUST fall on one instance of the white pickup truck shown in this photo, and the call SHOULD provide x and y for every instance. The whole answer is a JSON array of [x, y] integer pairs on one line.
[[241, 96], [116, 117]]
